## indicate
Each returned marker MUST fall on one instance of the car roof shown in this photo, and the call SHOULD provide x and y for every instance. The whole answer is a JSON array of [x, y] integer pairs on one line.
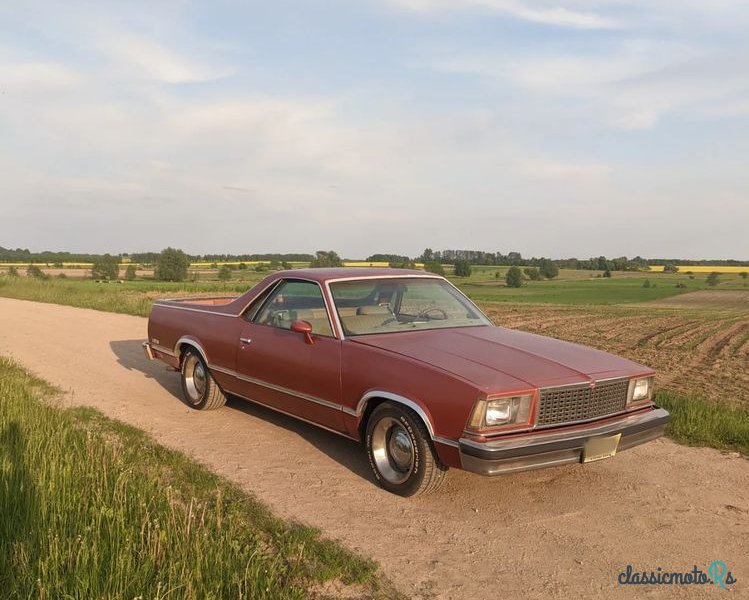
[[328, 274]]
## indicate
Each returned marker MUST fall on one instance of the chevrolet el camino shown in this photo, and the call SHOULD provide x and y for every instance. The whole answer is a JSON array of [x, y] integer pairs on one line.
[[404, 362]]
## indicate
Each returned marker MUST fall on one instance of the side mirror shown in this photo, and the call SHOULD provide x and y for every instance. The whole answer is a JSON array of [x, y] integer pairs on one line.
[[304, 328]]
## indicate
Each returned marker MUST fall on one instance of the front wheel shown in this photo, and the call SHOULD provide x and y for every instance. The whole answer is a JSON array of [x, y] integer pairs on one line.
[[198, 385], [400, 452]]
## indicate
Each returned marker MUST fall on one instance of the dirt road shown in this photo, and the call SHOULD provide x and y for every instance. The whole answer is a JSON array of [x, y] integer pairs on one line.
[[560, 533]]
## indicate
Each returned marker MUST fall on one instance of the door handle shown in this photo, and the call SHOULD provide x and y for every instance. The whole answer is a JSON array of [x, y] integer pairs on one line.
[[245, 340]]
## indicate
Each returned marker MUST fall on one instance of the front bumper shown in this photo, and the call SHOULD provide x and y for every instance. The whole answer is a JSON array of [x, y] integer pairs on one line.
[[537, 450]]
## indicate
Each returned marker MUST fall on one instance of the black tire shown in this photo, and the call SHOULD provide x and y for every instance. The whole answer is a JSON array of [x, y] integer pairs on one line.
[[393, 433], [201, 392]]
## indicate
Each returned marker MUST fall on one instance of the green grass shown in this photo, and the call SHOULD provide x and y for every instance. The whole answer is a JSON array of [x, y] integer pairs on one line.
[[92, 508], [699, 422], [130, 297]]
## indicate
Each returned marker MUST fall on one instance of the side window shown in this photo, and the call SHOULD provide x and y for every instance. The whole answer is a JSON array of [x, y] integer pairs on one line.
[[254, 306], [296, 301]]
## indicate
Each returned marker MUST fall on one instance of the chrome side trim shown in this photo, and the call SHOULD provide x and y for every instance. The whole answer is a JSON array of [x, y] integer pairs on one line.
[[198, 310], [283, 412], [163, 350], [447, 442], [362, 405], [277, 388]]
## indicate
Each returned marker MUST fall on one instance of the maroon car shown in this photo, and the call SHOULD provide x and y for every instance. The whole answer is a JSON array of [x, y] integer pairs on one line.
[[405, 362]]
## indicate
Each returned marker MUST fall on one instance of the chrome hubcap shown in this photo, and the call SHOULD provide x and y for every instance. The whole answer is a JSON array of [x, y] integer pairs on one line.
[[195, 379], [392, 450]]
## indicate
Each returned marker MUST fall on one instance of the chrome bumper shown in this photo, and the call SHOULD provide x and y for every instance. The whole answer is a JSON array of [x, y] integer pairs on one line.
[[147, 351], [537, 450]]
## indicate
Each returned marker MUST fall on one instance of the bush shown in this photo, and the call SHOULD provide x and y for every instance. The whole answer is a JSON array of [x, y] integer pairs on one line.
[[462, 268], [61, 276], [548, 268], [514, 277], [12, 272], [607, 273], [260, 268], [532, 273], [646, 283], [224, 273], [130, 272], [713, 279], [435, 267], [743, 274], [242, 266], [681, 285], [36, 272], [106, 267], [670, 269], [325, 258], [171, 265]]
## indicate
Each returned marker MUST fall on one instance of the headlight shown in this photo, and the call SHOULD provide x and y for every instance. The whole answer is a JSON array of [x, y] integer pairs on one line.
[[640, 389], [510, 410]]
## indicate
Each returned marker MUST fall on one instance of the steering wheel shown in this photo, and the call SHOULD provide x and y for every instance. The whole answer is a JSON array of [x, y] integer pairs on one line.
[[437, 309]]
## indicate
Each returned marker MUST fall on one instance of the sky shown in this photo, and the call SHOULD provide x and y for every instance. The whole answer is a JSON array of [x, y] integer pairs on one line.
[[559, 129]]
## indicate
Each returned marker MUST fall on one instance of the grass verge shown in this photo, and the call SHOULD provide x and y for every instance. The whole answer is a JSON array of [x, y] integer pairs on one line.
[[699, 422], [92, 508]]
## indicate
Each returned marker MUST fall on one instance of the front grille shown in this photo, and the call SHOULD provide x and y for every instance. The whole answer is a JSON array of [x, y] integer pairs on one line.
[[580, 402]]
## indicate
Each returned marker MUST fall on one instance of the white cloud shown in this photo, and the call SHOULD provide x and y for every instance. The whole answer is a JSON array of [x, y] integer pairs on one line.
[[535, 12], [144, 58]]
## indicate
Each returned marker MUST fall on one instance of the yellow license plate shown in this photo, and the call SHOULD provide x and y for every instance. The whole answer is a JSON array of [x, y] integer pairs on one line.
[[600, 448]]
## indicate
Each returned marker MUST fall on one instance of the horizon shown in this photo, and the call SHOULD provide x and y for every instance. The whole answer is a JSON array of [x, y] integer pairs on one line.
[[398, 123], [366, 257]]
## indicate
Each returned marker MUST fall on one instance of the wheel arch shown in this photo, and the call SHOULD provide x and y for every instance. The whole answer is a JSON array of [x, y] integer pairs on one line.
[[374, 398], [186, 342]]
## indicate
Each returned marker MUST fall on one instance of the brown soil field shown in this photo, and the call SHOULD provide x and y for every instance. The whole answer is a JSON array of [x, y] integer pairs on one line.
[[698, 342]]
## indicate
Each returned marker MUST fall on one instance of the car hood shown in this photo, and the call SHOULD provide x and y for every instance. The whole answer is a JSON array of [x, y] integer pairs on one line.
[[497, 359]]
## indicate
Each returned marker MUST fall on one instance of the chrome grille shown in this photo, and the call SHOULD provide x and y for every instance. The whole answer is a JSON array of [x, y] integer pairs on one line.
[[581, 402]]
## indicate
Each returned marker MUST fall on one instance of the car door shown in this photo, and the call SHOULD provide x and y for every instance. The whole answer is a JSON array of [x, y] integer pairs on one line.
[[280, 368]]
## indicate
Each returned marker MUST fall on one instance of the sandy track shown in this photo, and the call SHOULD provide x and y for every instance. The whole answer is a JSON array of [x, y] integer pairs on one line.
[[559, 533]]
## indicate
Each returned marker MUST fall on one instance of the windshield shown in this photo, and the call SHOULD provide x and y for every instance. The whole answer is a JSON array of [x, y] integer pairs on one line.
[[367, 306]]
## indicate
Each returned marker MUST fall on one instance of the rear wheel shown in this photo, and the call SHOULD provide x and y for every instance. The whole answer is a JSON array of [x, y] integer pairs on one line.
[[400, 452], [198, 385]]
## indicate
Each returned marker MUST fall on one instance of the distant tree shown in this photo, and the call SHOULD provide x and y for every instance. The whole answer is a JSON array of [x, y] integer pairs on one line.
[[743, 274], [326, 259], [171, 265], [532, 273], [427, 256], [462, 268], [434, 267], [607, 273], [285, 265], [13, 272], [646, 283], [548, 268], [106, 267], [224, 273], [401, 262], [130, 272], [242, 266], [36, 272], [514, 277], [669, 268], [713, 279]]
